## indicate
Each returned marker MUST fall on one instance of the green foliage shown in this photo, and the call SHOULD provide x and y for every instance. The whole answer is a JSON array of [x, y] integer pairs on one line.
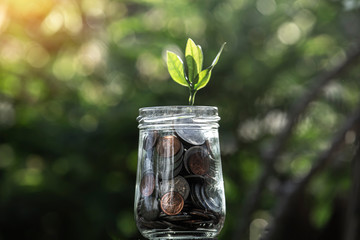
[[74, 74], [176, 69], [194, 59], [195, 78]]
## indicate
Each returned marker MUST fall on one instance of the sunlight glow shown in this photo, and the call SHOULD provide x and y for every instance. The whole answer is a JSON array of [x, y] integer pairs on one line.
[[26, 9], [266, 7], [37, 56], [11, 50], [72, 18], [150, 66], [289, 33], [28, 177], [257, 228], [63, 68], [305, 20], [250, 130], [90, 55], [53, 22], [94, 8], [4, 20], [275, 121]]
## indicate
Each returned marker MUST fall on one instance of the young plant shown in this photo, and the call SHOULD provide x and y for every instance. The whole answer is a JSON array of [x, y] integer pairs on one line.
[[191, 75]]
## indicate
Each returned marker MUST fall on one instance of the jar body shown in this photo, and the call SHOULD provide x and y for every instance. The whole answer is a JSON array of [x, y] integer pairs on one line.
[[179, 190]]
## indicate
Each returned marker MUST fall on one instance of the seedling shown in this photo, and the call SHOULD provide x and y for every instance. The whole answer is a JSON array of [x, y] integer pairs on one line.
[[191, 74]]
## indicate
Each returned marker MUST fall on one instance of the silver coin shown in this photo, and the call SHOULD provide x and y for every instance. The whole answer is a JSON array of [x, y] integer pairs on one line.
[[147, 162], [196, 196], [191, 136], [211, 197], [150, 140], [168, 164], [177, 184], [150, 208], [171, 173]]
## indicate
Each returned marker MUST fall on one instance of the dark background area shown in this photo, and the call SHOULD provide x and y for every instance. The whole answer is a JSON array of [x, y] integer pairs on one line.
[[74, 73]]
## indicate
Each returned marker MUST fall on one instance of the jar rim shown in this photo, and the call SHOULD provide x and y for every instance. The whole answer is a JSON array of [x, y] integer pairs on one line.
[[166, 115], [184, 108]]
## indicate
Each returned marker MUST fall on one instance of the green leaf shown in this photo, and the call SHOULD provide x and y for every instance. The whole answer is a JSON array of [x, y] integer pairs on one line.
[[176, 68], [201, 58], [194, 58], [203, 78], [217, 56]]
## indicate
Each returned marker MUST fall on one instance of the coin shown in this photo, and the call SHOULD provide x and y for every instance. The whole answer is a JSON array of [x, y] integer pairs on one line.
[[168, 146], [150, 224], [176, 218], [172, 203], [173, 226], [191, 136], [208, 147], [200, 214], [147, 184], [211, 198], [149, 209], [147, 164], [168, 171], [177, 184], [193, 197], [167, 164], [172, 173], [150, 140], [198, 196], [169, 167], [178, 170], [197, 160], [149, 154]]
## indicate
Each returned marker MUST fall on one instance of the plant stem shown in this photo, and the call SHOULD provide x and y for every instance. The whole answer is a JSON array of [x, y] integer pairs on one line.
[[192, 97]]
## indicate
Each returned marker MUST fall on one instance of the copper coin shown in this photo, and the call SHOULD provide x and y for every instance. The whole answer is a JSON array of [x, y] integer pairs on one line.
[[147, 184], [172, 203], [168, 146], [198, 161]]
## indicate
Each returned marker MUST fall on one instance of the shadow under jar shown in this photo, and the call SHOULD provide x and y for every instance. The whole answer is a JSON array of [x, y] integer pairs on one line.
[[179, 186]]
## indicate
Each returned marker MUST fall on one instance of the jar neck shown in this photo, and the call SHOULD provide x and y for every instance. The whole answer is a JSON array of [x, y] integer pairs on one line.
[[178, 116]]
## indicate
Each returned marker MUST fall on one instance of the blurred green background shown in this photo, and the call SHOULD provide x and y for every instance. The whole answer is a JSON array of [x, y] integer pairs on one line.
[[73, 74]]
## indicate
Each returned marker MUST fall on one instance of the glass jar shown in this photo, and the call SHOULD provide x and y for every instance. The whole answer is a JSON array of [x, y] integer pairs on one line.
[[179, 190]]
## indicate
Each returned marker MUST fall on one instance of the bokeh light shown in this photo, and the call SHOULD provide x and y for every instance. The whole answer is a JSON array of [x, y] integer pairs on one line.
[[73, 74]]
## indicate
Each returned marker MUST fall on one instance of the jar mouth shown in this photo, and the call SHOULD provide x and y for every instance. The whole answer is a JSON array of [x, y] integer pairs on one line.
[[190, 116], [179, 109]]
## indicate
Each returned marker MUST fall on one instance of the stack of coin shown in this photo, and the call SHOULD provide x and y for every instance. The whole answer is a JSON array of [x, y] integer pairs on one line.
[[197, 160], [170, 152], [176, 190]]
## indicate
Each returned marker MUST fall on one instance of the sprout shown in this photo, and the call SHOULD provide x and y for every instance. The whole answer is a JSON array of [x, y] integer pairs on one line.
[[192, 75]]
